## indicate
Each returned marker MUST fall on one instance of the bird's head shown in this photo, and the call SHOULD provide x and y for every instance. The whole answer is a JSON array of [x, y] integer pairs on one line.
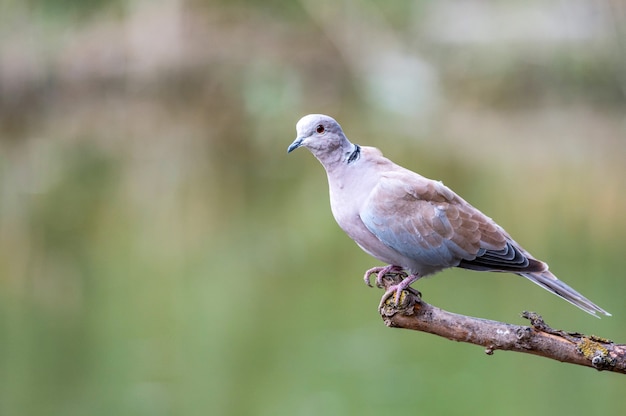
[[323, 136]]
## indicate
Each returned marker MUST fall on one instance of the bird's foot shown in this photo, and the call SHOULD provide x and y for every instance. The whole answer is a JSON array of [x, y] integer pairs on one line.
[[380, 273], [395, 290]]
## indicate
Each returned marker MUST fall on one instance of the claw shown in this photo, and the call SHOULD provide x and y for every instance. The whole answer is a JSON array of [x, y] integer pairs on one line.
[[397, 289], [380, 273]]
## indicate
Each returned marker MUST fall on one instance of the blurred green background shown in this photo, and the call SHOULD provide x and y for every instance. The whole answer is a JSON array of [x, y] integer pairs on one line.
[[160, 254]]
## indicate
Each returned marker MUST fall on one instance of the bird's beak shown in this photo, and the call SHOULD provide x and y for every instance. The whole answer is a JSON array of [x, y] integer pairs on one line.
[[296, 143]]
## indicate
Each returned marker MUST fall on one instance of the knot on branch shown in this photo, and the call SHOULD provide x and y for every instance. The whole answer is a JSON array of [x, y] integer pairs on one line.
[[408, 301]]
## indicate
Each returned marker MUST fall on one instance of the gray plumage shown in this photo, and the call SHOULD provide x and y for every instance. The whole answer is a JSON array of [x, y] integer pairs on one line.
[[411, 222]]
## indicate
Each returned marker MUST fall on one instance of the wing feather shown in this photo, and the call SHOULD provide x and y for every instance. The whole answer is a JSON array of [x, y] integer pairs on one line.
[[428, 223]]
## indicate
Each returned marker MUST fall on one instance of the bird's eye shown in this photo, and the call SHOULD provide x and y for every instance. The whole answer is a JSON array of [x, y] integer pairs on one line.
[[320, 129]]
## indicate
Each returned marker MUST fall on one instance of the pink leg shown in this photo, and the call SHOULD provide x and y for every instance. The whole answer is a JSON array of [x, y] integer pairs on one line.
[[397, 290], [380, 273]]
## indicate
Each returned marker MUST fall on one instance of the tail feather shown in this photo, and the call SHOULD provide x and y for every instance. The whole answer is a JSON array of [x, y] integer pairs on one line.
[[548, 281]]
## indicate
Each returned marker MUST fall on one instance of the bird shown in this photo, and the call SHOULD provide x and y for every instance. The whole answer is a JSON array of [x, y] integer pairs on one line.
[[415, 225]]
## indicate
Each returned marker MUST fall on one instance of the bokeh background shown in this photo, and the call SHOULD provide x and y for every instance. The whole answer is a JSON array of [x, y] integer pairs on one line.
[[160, 254]]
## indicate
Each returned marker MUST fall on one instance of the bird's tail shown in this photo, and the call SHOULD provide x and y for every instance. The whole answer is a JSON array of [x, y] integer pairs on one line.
[[548, 281]]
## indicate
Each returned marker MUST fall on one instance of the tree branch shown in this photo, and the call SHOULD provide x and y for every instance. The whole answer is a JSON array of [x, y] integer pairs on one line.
[[412, 312]]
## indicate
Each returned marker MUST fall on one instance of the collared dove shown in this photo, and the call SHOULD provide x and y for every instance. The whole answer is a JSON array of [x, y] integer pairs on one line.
[[411, 222]]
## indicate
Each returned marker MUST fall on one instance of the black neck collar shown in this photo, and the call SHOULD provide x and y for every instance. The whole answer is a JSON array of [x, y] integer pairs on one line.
[[356, 153]]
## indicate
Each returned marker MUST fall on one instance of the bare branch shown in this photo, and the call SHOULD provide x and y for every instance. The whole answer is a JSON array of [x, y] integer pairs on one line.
[[412, 312]]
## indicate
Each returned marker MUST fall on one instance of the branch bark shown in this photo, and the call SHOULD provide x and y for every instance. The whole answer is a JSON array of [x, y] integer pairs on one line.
[[413, 313]]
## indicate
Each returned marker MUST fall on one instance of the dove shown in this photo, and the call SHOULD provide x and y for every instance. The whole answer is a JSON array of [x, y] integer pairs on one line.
[[415, 225]]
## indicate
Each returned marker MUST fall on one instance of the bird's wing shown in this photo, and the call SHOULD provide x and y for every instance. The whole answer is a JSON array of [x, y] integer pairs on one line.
[[427, 222]]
